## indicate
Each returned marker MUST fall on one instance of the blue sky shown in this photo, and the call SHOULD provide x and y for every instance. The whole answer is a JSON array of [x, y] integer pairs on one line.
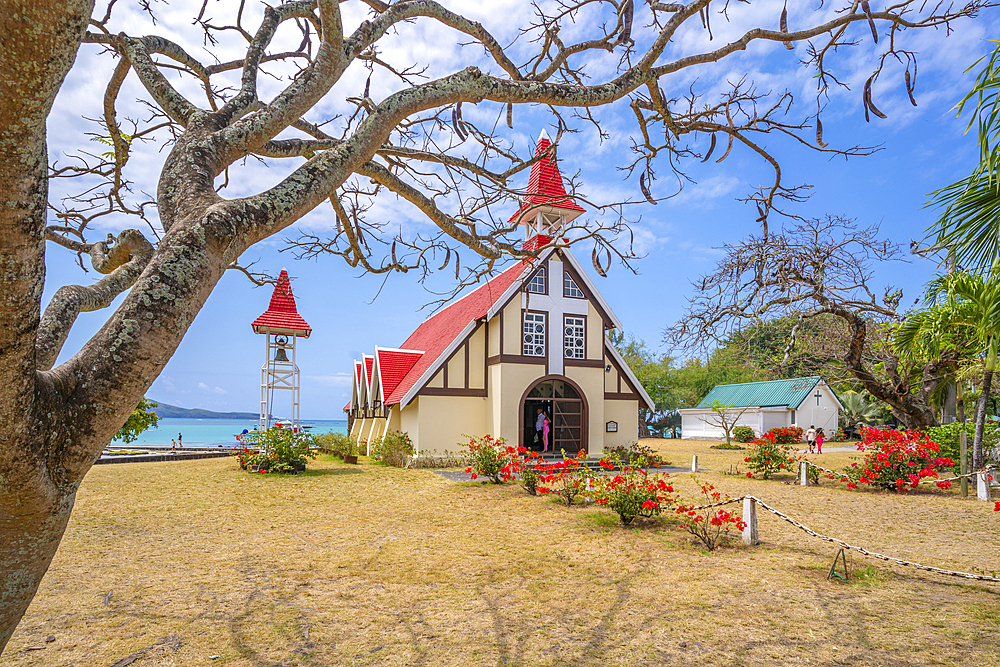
[[217, 366]]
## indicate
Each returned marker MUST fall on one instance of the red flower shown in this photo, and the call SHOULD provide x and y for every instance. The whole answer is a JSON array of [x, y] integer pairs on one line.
[[996, 508], [474, 475], [750, 475]]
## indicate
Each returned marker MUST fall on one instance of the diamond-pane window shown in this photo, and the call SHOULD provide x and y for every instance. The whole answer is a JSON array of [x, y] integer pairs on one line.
[[570, 288], [533, 340], [537, 283], [573, 338]]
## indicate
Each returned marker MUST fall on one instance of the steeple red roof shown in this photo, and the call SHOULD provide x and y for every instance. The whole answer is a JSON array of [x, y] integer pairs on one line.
[[545, 184], [281, 316]]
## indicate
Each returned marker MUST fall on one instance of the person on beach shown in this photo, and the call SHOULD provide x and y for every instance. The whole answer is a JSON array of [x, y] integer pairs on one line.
[[819, 441], [180, 441], [545, 432], [811, 438]]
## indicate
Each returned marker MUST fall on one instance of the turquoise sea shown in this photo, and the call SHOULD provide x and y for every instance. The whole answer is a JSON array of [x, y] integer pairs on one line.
[[218, 431]]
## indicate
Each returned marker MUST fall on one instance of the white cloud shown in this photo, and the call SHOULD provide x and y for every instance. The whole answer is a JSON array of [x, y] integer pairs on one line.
[[331, 379]]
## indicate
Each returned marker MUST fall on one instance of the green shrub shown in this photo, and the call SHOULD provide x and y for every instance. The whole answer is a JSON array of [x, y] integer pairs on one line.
[[393, 449], [338, 444], [947, 437], [277, 450], [635, 454], [743, 434], [433, 460], [768, 457]]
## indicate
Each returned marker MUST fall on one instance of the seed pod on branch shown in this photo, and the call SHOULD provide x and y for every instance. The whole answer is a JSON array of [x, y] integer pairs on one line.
[[596, 259], [711, 148], [458, 265], [510, 115], [368, 87], [819, 134], [456, 121], [783, 26], [626, 11], [645, 190], [447, 258], [871, 22], [909, 85], [867, 99]]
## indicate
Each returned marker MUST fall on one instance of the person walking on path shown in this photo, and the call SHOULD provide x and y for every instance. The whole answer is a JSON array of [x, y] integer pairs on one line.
[[811, 437], [545, 432], [819, 441], [180, 442], [173, 446]]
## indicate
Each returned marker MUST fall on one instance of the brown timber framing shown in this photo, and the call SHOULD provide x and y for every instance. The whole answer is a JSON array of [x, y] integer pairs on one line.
[[465, 390], [582, 284], [630, 395]]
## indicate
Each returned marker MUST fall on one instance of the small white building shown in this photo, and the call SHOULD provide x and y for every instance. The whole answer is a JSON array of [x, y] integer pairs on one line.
[[802, 402]]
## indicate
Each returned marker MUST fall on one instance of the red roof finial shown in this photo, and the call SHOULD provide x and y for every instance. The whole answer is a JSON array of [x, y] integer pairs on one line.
[[281, 316]]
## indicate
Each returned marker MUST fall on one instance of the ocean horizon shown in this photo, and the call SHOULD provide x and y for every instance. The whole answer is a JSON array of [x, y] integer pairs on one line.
[[215, 431]]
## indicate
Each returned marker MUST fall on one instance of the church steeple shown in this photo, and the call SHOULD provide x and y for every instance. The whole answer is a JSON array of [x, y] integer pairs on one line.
[[547, 208]]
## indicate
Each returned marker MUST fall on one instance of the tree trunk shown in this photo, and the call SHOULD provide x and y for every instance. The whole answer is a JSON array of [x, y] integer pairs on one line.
[[978, 458], [40, 39], [28, 541]]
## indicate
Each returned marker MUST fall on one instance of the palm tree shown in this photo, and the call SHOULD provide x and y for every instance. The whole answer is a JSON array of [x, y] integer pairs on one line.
[[969, 227], [962, 306], [858, 411]]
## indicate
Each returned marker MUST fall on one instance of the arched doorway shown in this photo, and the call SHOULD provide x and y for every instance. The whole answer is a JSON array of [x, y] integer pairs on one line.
[[566, 407]]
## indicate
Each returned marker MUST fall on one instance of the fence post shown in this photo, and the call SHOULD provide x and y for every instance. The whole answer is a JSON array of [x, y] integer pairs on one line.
[[803, 473], [694, 463], [983, 485], [750, 534]]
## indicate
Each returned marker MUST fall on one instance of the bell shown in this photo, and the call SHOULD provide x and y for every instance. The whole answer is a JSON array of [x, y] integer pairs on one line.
[[280, 355]]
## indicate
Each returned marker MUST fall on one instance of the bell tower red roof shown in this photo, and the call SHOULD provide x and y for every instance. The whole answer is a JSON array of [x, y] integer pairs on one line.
[[545, 184], [282, 317]]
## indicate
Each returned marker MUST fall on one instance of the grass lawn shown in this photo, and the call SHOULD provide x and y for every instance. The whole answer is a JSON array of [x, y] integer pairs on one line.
[[364, 565]]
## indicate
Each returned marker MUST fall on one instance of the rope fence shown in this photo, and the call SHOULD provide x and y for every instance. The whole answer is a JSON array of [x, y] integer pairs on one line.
[[750, 533], [935, 480]]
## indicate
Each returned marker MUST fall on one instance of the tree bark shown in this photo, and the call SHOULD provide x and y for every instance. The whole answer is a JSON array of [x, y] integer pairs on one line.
[[978, 455], [40, 40]]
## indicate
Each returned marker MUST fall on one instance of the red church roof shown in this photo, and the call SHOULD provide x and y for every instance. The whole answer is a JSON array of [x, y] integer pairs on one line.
[[369, 362], [545, 185], [281, 316], [437, 333], [393, 366]]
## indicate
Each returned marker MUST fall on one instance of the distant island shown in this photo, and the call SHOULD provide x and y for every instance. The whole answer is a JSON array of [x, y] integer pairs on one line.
[[174, 412]]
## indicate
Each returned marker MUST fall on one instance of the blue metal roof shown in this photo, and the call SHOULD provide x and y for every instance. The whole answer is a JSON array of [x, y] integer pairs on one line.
[[772, 393]]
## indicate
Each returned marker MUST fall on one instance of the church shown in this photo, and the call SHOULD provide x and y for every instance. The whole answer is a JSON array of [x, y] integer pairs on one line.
[[530, 341]]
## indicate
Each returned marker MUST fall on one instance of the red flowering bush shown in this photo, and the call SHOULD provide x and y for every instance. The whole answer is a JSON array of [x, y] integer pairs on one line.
[[712, 525], [897, 460], [784, 435], [631, 492], [768, 456], [566, 478], [491, 458]]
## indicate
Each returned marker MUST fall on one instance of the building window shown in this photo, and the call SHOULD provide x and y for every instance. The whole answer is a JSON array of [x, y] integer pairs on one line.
[[537, 283], [570, 287], [534, 334], [793, 417], [573, 339]]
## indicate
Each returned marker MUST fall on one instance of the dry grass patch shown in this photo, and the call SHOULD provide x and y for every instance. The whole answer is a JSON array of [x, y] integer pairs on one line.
[[351, 565]]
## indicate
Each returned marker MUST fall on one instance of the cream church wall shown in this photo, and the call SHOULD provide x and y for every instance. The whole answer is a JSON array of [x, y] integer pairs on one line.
[[626, 413], [591, 381], [443, 419]]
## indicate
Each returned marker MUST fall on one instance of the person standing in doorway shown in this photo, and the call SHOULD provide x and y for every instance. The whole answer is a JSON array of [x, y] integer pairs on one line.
[[180, 441], [811, 438], [539, 422], [819, 441], [545, 432]]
